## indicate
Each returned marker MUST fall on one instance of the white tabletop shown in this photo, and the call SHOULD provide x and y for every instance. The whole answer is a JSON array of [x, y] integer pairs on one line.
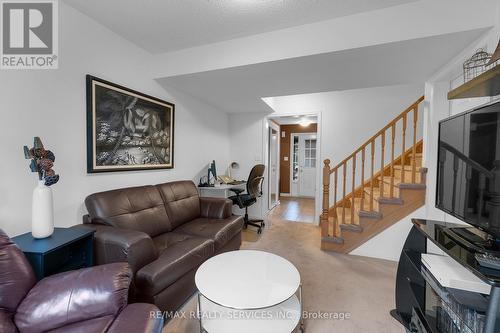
[[247, 279]]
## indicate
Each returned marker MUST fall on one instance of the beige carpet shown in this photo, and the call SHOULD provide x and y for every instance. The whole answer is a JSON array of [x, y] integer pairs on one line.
[[362, 287]]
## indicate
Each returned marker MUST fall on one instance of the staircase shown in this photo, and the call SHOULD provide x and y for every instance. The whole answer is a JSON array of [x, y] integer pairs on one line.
[[377, 185]]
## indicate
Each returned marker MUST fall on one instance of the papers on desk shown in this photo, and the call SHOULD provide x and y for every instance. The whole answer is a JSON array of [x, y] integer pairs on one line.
[[451, 274]]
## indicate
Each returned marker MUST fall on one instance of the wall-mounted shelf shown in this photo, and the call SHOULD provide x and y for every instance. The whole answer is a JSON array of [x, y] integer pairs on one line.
[[486, 84]]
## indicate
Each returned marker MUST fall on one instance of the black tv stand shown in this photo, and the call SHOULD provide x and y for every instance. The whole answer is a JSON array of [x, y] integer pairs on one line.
[[474, 239], [416, 295]]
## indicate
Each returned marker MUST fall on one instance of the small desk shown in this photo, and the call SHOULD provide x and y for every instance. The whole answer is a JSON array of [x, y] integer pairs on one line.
[[67, 249], [219, 191]]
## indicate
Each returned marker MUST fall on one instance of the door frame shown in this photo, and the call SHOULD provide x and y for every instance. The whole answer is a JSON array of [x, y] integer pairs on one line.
[[265, 132], [277, 128], [292, 193]]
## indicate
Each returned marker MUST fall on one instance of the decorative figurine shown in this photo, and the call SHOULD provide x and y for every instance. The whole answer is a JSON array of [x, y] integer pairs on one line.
[[42, 214], [42, 161]]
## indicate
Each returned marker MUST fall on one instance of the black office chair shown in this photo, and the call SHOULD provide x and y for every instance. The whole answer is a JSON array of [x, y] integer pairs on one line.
[[254, 191]]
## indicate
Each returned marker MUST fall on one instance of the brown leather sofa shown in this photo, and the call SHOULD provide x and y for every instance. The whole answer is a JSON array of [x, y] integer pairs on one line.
[[89, 300], [165, 232]]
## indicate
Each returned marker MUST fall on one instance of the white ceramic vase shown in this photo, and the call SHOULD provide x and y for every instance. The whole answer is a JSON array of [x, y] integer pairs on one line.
[[42, 213]]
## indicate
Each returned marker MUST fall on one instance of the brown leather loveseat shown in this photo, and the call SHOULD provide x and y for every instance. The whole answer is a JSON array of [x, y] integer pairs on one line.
[[165, 232]]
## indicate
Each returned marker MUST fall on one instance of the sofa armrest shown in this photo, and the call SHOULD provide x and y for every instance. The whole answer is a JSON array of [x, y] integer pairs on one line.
[[215, 208], [138, 318], [122, 245], [74, 296]]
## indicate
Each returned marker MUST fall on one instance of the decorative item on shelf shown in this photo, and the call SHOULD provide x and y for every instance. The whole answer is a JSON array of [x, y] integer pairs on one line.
[[476, 65], [42, 161]]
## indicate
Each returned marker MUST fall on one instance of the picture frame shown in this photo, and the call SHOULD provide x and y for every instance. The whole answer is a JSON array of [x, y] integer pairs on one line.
[[126, 129]]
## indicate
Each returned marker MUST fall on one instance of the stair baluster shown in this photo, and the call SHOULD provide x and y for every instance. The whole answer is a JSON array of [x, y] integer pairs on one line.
[[344, 172], [382, 162], [362, 179], [403, 149], [393, 136], [336, 229], [414, 149], [330, 225], [326, 199], [353, 188], [372, 179]]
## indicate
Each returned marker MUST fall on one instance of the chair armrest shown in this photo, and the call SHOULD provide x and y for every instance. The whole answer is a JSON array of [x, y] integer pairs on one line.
[[237, 191], [215, 208], [138, 318], [122, 245], [74, 296]]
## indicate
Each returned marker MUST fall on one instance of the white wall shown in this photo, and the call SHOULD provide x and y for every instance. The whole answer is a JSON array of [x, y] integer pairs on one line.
[[247, 138], [438, 107], [348, 118], [388, 245], [51, 104]]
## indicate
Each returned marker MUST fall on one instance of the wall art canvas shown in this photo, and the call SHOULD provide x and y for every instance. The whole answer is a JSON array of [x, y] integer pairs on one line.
[[127, 130]]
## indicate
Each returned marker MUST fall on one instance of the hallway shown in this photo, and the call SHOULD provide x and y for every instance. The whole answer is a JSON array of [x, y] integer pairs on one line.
[[294, 209]]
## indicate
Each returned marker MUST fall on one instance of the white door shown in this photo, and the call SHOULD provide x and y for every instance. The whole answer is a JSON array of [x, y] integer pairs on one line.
[[307, 165]]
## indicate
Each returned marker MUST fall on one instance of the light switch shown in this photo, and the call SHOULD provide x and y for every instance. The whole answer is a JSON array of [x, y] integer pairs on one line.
[[283, 134], [285, 158]]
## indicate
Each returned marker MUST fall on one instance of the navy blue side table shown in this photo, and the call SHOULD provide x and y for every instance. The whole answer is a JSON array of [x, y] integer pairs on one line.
[[67, 249]]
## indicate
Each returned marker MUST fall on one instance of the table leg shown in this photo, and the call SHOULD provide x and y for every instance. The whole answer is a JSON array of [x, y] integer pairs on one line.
[[301, 329], [200, 314]]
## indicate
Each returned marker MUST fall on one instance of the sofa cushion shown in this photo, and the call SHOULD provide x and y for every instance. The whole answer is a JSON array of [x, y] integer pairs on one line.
[[179, 254], [75, 296], [95, 325], [182, 201], [138, 208], [220, 230]]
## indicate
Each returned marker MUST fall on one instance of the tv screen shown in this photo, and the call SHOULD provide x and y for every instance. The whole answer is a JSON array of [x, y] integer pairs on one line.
[[468, 175]]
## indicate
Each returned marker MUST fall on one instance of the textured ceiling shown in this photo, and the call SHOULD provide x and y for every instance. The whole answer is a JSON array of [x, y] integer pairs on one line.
[[240, 89], [166, 25]]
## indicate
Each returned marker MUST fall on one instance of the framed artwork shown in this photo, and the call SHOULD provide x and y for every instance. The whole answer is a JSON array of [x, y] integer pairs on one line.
[[127, 130]]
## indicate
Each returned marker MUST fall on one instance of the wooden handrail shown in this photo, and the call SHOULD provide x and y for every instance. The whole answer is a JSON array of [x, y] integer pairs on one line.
[[379, 133], [387, 169], [347, 200]]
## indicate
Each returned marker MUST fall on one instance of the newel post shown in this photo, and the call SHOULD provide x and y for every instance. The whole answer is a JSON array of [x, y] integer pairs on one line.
[[326, 198]]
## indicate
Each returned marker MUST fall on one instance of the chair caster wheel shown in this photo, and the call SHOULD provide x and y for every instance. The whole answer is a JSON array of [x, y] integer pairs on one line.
[[259, 231], [263, 224]]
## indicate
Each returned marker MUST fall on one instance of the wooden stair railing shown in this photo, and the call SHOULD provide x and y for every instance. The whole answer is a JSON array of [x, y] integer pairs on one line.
[[331, 227]]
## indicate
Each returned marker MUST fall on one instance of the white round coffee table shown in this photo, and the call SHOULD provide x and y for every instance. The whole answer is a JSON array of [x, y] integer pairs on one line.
[[249, 291]]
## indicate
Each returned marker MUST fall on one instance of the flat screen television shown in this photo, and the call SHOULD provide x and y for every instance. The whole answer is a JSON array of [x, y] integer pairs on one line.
[[468, 171]]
